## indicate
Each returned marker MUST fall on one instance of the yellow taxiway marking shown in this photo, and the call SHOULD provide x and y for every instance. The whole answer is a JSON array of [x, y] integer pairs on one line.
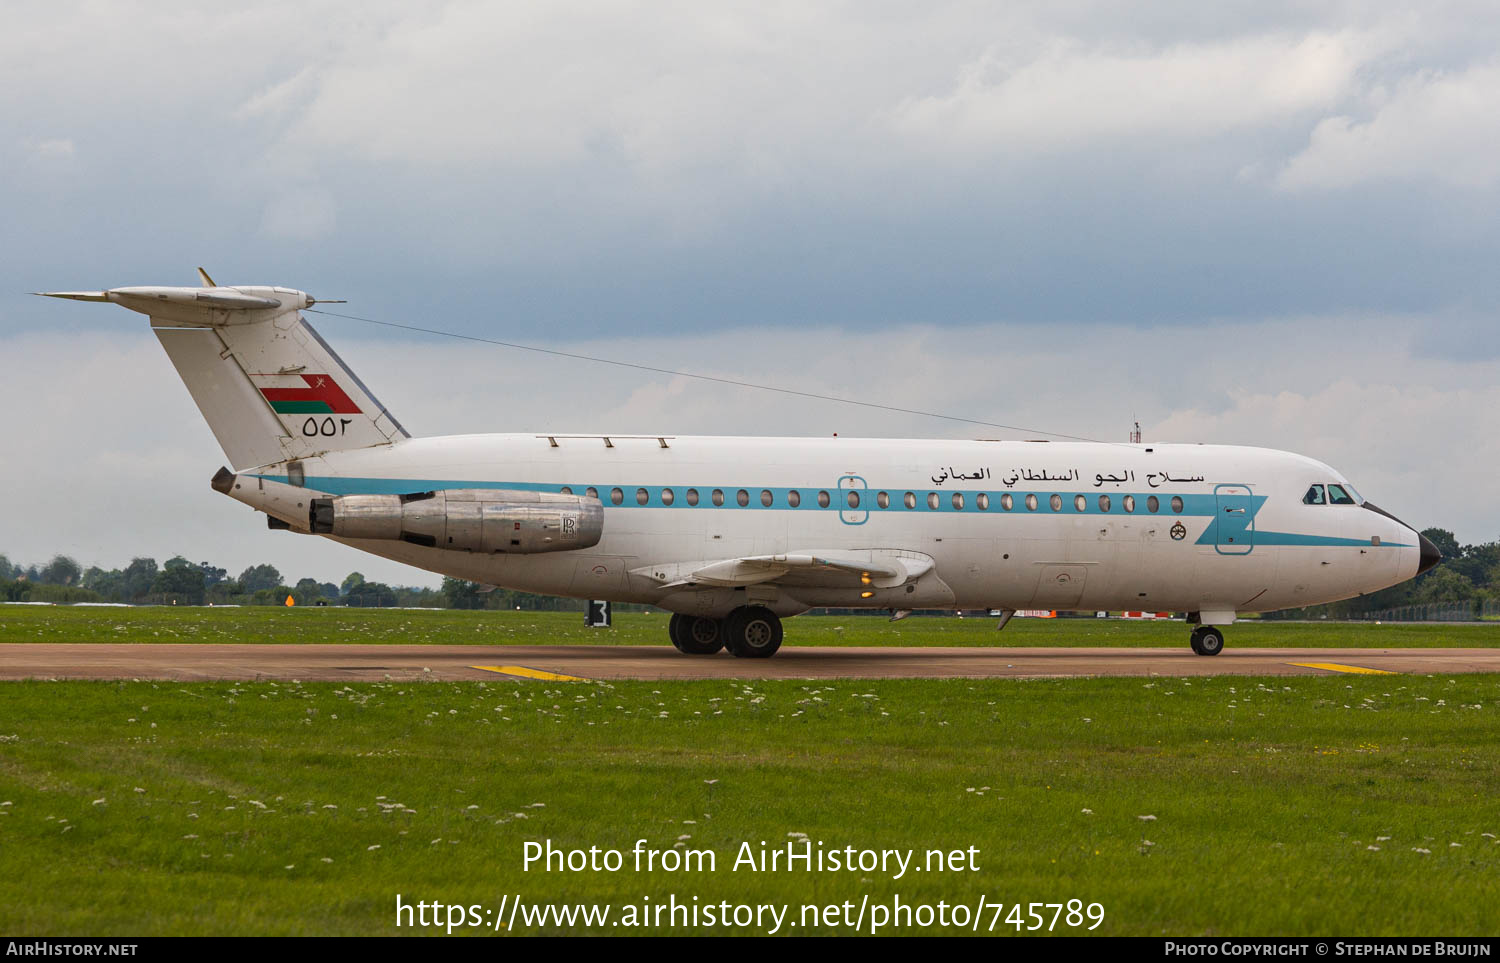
[[1335, 667], [529, 673]]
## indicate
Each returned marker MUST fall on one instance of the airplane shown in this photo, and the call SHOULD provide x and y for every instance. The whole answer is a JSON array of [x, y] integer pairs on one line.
[[734, 534]]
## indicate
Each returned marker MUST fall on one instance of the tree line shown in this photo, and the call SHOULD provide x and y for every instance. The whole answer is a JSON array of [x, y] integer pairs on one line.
[[1467, 574], [179, 581]]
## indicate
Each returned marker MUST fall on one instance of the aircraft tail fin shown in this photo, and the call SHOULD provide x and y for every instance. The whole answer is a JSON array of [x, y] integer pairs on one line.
[[270, 388]]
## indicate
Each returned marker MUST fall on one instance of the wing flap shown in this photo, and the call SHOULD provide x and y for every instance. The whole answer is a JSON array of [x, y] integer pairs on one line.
[[881, 568]]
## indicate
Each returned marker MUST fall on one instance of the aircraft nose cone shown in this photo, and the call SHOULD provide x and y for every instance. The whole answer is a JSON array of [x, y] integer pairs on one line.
[[1430, 554]]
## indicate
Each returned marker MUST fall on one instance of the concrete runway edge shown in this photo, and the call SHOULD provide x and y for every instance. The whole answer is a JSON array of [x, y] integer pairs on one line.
[[373, 663]]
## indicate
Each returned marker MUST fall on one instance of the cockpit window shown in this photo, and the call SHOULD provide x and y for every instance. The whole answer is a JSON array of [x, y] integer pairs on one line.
[[1337, 496], [1314, 496]]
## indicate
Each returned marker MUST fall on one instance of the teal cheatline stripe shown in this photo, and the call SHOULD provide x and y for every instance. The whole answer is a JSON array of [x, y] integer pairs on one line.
[[1295, 538], [1194, 505], [1198, 505]]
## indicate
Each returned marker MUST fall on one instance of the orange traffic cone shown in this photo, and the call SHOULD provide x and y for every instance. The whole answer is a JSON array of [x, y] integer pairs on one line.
[[290, 601]]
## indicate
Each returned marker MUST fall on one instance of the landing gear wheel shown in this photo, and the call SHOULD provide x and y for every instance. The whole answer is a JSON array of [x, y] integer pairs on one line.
[[752, 632], [1207, 640], [695, 635]]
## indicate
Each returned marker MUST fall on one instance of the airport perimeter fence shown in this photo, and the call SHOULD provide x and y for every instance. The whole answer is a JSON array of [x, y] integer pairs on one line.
[[1475, 611]]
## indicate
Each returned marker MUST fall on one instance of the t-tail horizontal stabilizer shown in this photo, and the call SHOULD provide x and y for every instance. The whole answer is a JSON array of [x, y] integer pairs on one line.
[[269, 386]]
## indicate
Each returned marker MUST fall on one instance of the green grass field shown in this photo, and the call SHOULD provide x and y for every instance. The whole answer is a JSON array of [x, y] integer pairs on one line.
[[1349, 805], [26, 623], [1339, 805]]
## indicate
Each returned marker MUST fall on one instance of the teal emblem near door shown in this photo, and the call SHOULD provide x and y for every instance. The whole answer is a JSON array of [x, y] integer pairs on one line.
[[1235, 524], [853, 496]]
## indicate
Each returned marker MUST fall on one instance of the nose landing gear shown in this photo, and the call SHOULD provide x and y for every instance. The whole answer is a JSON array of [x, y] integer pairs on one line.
[[1207, 640]]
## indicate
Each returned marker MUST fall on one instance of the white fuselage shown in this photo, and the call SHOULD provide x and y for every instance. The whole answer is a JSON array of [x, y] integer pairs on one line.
[[1054, 525]]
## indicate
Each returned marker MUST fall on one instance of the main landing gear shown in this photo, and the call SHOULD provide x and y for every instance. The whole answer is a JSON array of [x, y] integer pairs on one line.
[[749, 632], [1207, 640]]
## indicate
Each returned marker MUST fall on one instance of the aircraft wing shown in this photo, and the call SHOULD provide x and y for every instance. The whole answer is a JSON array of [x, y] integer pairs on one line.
[[882, 568]]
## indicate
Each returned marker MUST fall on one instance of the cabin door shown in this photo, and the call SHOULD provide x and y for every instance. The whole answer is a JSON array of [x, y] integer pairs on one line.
[[1236, 521]]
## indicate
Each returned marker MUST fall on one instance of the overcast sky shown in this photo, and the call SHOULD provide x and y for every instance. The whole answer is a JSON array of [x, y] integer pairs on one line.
[[1254, 223]]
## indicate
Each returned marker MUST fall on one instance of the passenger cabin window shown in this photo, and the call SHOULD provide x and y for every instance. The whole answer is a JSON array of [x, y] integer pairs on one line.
[[823, 500], [566, 490], [1129, 502], [1031, 503], [742, 498], [794, 498], [616, 497], [642, 496], [1080, 503], [934, 501], [958, 501], [692, 496], [1104, 503], [1006, 502], [667, 497], [765, 497], [1153, 504], [1056, 502], [717, 497], [1314, 496], [1337, 496], [883, 500], [591, 491], [1177, 504], [983, 501], [853, 499], [909, 499]]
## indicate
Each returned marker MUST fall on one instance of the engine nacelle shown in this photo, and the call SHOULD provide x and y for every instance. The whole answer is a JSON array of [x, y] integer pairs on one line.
[[466, 519]]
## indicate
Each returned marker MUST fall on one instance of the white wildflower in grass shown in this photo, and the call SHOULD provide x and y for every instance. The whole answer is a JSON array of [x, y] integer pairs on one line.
[[471, 806], [139, 789], [1419, 849], [327, 859], [710, 781], [97, 802], [371, 849], [1382, 839], [1455, 845], [1147, 818], [290, 866], [1373, 849], [1087, 812], [797, 835]]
